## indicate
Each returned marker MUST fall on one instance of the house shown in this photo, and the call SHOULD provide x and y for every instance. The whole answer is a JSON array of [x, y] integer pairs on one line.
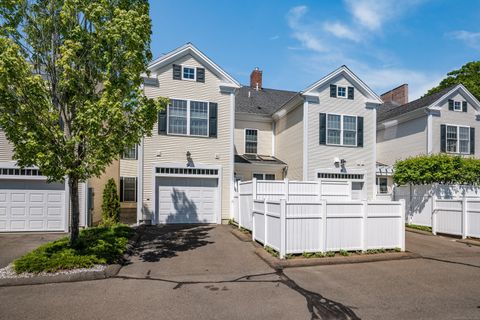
[[445, 121], [325, 132], [185, 168], [29, 203]]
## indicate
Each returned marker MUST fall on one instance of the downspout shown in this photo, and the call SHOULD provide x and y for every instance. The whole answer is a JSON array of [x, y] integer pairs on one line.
[[140, 217]]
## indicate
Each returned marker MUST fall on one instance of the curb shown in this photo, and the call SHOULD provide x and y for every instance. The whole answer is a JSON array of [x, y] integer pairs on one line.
[[426, 233], [279, 264], [241, 236], [470, 242], [110, 270]]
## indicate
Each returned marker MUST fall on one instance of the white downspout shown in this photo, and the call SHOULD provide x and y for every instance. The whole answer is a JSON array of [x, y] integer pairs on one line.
[[140, 181]]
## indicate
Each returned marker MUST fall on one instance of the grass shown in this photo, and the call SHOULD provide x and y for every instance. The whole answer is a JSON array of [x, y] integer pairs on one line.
[[99, 245], [417, 227], [330, 254]]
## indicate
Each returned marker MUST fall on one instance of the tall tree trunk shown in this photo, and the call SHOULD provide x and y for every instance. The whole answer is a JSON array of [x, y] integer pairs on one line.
[[74, 208]]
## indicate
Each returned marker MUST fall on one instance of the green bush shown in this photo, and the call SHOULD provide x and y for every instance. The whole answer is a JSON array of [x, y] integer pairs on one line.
[[416, 226], [99, 245], [110, 204]]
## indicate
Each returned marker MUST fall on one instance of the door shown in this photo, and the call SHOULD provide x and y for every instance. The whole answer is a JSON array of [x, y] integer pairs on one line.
[[31, 205], [187, 200]]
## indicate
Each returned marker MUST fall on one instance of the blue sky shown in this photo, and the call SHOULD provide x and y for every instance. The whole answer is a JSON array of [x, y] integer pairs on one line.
[[295, 43]]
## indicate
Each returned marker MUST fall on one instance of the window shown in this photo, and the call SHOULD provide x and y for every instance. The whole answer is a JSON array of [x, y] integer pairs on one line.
[[251, 140], [458, 139], [382, 185], [341, 130], [457, 105], [130, 153], [188, 73], [264, 176], [341, 92], [187, 117], [128, 189]]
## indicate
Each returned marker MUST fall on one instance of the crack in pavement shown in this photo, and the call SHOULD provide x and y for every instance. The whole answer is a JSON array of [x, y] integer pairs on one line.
[[318, 306], [449, 261]]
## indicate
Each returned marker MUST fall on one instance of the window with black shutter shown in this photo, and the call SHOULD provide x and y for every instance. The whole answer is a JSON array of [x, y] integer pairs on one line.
[[351, 93], [200, 75], [177, 72]]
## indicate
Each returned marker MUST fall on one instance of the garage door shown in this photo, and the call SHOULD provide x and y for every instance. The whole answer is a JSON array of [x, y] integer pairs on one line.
[[187, 200], [31, 206]]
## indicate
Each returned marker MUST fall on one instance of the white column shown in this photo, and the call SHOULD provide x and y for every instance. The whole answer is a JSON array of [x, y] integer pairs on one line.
[[402, 225], [305, 139], [232, 150]]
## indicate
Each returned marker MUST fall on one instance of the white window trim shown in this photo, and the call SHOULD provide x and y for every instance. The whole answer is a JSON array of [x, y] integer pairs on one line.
[[245, 139], [379, 190], [461, 106], [346, 92], [194, 72], [135, 156], [341, 130], [135, 190], [458, 139], [188, 120]]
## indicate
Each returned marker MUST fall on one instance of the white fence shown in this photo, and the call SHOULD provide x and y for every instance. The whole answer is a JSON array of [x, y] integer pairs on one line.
[[457, 216], [325, 226]]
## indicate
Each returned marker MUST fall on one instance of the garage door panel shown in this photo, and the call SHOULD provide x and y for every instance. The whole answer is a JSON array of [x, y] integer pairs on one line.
[[35, 208], [187, 200]]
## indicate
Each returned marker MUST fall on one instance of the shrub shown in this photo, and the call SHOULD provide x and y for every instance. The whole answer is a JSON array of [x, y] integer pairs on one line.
[[110, 204]]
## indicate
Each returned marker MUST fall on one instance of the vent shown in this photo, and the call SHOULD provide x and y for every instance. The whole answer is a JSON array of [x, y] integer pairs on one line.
[[187, 171], [20, 172], [343, 176]]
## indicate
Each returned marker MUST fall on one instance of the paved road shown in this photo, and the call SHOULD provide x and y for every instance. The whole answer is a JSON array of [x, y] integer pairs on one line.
[[204, 272]]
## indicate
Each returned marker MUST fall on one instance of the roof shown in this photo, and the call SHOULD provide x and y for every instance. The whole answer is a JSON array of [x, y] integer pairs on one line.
[[391, 110], [256, 159], [264, 101]]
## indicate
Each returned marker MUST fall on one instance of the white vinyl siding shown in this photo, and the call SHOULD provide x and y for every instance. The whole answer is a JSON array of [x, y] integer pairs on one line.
[[264, 135]]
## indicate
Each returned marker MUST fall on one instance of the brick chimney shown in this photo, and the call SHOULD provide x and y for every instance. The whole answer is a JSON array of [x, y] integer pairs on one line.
[[256, 79], [398, 95]]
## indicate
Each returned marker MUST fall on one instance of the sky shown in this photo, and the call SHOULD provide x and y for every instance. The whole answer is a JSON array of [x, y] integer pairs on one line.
[[384, 42]]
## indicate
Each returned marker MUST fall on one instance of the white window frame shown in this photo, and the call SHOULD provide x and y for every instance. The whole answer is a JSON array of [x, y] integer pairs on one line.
[[338, 91], [188, 120], [135, 190], [194, 73], [341, 130], [264, 175], [245, 139], [458, 139], [455, 107], [379, 189], [128, 158]]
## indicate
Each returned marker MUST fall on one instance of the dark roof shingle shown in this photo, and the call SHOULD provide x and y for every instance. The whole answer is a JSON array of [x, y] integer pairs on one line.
[[264, 101], [391, 110]]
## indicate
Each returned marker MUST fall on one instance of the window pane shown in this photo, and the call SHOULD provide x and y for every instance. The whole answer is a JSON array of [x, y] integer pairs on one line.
[[457, 105], [451, 132], [333, 136], [349, 138], [198, 118], [258, 176], [464, 133], [269, 176], [129, 189], [451, 145], [333, 121], [251, 141], [188, 73], [350, 123], [464, 146], [342, 91], [130, 153], [177, 117]]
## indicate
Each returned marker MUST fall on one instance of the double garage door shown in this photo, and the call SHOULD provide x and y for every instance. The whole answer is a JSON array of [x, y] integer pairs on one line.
[[187, 200], [31, 205]]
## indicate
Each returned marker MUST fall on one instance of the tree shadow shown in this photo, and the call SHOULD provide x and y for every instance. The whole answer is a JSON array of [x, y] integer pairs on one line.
[[185, 209]]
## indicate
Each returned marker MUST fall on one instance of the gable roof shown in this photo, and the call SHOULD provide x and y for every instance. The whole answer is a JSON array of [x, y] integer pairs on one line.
[[390, 110], [189, 48], [264, 101], [346, 72]]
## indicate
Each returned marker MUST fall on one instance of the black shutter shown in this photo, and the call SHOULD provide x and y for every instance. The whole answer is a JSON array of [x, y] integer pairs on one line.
[[359, 131], [333, 91], [472, 140], [177, 72], [213, 110], [450, 105], [162, 122], [443, 138], [464, 106], [121, 189], [323, 129], [351, 93], [200, 75]]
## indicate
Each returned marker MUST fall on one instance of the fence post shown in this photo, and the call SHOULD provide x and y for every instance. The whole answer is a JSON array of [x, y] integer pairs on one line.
[[265, 222], [402, 224], [283, 225], [287, 186], [253, 221], [364, 225], [324, 218], [464, 217], [254, 188], [319, 185], [239, 206], [434, 215]]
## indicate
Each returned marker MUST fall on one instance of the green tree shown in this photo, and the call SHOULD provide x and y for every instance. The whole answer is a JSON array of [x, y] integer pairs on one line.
[[71, 97], [468, 75], [110, 203]]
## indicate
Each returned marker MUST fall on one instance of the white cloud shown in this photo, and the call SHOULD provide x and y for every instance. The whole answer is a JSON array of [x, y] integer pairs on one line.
[[472, 39], [275, 37], [341, 31], [295, 15]]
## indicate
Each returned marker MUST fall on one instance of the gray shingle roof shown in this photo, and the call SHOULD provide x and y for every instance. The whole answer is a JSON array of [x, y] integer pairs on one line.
[[391, 110], [265, 101]]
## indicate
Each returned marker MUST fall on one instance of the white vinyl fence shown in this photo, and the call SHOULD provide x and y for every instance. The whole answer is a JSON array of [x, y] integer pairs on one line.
[[457, 216], [323, 226]]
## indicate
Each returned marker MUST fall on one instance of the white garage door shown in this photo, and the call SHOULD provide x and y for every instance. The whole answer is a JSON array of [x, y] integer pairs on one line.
[[187, 200], [31, 206]]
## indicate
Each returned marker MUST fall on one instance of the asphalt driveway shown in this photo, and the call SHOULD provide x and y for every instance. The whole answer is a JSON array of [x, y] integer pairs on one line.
[[14, 245]]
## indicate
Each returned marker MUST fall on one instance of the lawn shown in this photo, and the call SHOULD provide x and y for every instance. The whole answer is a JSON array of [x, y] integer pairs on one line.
[[98, 245]]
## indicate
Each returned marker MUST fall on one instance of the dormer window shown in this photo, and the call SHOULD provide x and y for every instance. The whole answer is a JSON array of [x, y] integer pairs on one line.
[[341, 92], [188, 73], [456, 105]]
